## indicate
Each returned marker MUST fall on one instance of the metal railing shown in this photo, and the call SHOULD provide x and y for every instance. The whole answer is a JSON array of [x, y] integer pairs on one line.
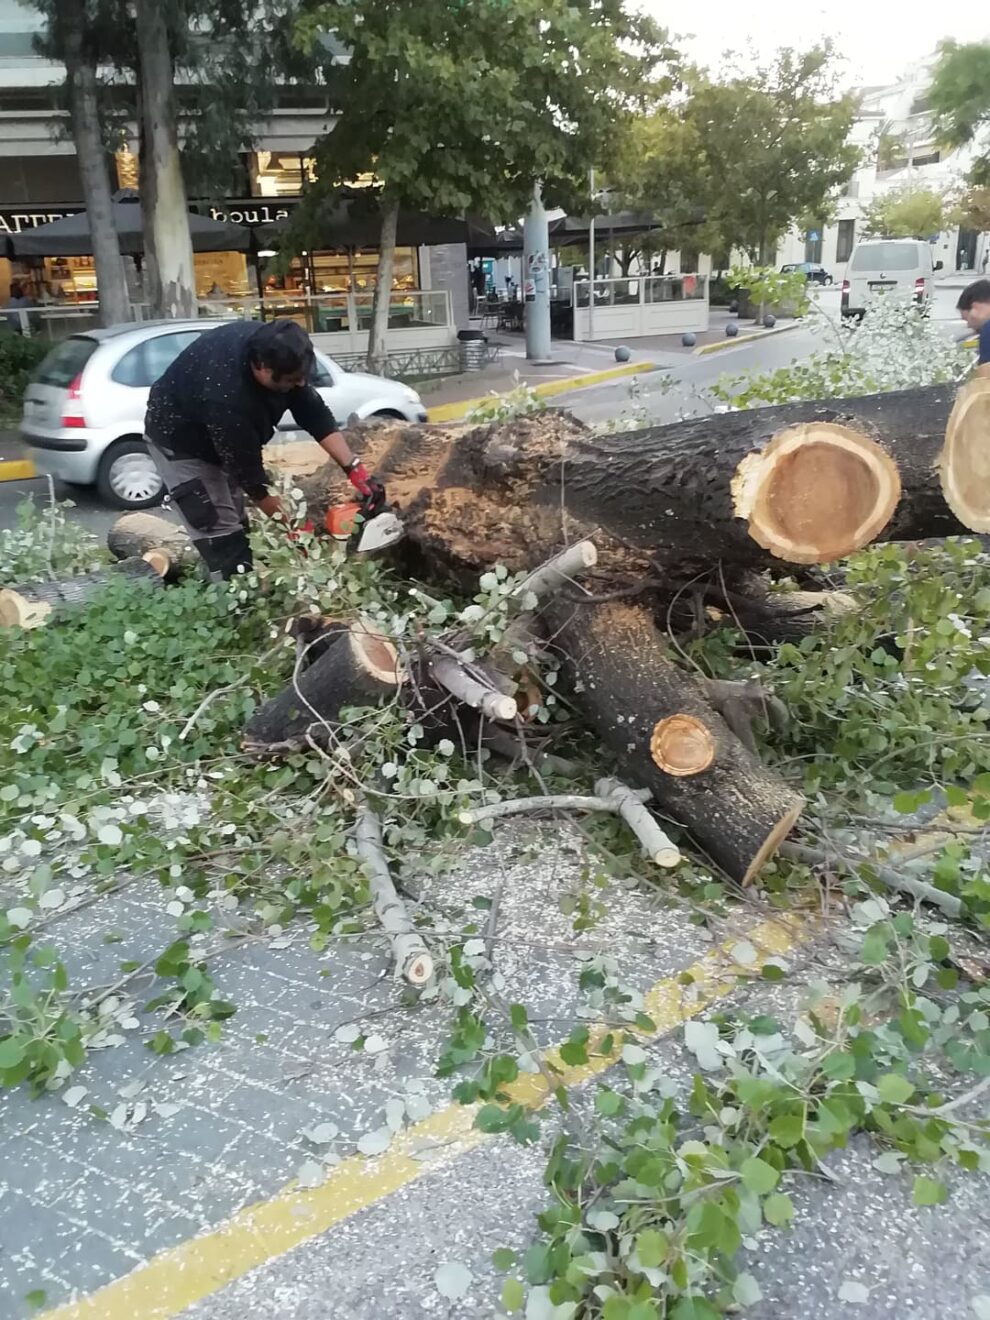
[[330, 313], [326, 313], [631, 291]]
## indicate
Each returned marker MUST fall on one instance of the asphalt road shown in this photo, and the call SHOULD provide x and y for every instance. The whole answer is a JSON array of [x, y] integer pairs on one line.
[[678, 391]]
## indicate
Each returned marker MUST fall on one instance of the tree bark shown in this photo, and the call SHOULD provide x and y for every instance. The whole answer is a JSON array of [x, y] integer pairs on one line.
[[799, 484], [80, 64], [166, 213], [137, 534], [666, 737], [381, 305], [360, 667], [32, 603]]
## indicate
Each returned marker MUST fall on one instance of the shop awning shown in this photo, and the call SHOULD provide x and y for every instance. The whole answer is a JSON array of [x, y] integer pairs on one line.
[[71, 236], [355, 222]]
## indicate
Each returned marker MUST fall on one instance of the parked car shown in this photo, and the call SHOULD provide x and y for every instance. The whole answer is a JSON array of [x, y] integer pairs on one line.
[[84, 410], [901, 266], [812, 272]]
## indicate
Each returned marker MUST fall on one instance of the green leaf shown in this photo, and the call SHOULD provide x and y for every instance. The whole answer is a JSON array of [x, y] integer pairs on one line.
[[537, 1263], [519, 1017], [36, 1298], [787, 1130], [513, 1296], [652, 1247], [609, 1102], [929, 1191], [758, 1176], [778, 1209], [693, 1308], [745, 1290], [894, 1089], [492, 1118], [13, 1050], [503, 1258]]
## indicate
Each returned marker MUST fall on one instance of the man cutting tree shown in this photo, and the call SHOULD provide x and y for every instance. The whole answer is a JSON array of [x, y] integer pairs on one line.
[[211, 414]]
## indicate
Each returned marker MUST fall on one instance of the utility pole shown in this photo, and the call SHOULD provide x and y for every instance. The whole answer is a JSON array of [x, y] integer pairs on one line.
[[591, 257], [536, 279]]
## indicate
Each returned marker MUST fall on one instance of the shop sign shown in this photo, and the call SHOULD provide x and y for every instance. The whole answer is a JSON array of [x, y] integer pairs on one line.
[[15, 222], [249, 213]]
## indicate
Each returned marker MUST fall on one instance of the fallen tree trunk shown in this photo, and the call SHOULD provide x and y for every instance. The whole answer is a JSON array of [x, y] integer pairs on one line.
[[666, 736], [31, 605], [800, 484], [139, 534], [360, 667]]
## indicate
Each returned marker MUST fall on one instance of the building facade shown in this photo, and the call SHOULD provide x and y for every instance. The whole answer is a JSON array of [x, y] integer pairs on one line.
[[900, 149], [39, 182]]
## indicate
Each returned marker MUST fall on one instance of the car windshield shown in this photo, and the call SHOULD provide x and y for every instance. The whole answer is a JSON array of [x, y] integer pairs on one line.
[[886, 256], [64, 363]]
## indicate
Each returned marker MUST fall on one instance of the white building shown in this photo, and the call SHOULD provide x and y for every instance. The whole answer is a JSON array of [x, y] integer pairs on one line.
[[894, 130]]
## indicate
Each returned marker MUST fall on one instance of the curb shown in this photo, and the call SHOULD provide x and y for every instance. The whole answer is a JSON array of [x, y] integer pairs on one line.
[[17, 469], [744, 339], [451, 412]]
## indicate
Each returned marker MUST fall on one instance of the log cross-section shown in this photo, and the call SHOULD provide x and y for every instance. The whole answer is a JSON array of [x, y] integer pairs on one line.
[[736, 809], [964, 467], [360, 667]]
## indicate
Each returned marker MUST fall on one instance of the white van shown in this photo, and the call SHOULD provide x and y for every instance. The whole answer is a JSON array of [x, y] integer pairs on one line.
[[883, 265]]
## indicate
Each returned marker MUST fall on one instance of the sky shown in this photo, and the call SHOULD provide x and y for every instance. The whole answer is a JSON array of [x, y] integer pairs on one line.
[[878, 41]]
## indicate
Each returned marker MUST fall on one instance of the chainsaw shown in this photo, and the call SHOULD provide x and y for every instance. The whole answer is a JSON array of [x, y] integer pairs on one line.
[[351, 527]]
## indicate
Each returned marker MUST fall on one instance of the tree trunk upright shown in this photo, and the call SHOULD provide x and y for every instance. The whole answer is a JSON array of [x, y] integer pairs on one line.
[[166, 214], [115, 305], [378, 337]]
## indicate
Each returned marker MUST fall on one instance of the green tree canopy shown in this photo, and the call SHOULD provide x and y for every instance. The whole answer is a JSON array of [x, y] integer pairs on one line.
[[909, 212], [463, 105], [772, 145]]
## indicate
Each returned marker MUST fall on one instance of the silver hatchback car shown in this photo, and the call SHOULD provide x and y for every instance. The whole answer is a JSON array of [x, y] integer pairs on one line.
[[83, 416]]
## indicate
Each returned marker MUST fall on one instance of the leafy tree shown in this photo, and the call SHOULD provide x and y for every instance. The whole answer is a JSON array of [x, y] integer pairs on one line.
[[972, 209], [772, 145], [75, 28], [959, 97], [655, 170], [462, 105], [909, 212], [230, 60]]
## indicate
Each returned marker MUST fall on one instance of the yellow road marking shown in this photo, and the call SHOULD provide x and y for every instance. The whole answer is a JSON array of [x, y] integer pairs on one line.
[[452, 412], [17, 469], [182, 1275], [719, 344]]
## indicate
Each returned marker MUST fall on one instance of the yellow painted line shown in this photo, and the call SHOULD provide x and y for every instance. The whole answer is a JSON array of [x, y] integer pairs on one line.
[[719, 344], [17, 469], [452, 412], [182, 1275]]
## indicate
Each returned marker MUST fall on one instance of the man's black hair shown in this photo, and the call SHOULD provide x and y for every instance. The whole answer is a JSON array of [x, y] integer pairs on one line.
[[283, 346], [977, 292]]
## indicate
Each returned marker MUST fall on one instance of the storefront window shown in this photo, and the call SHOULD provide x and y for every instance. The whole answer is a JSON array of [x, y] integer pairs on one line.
[[337, 272]]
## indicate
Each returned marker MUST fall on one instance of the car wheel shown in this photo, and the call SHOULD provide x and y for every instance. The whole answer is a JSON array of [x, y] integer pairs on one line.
[[390, 412], [127, 477]]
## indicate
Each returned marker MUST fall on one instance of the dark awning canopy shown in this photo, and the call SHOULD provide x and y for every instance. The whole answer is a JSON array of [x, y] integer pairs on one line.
[[72, 237], [355, 221]]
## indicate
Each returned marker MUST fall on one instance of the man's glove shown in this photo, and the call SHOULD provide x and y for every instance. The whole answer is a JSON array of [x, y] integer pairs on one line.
[[371, 490]]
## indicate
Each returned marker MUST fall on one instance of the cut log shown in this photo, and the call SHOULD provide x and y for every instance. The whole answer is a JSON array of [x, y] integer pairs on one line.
[[799, 484], [360, 667], [32, 604], [142, 534], [735, 809], [965, 464]]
